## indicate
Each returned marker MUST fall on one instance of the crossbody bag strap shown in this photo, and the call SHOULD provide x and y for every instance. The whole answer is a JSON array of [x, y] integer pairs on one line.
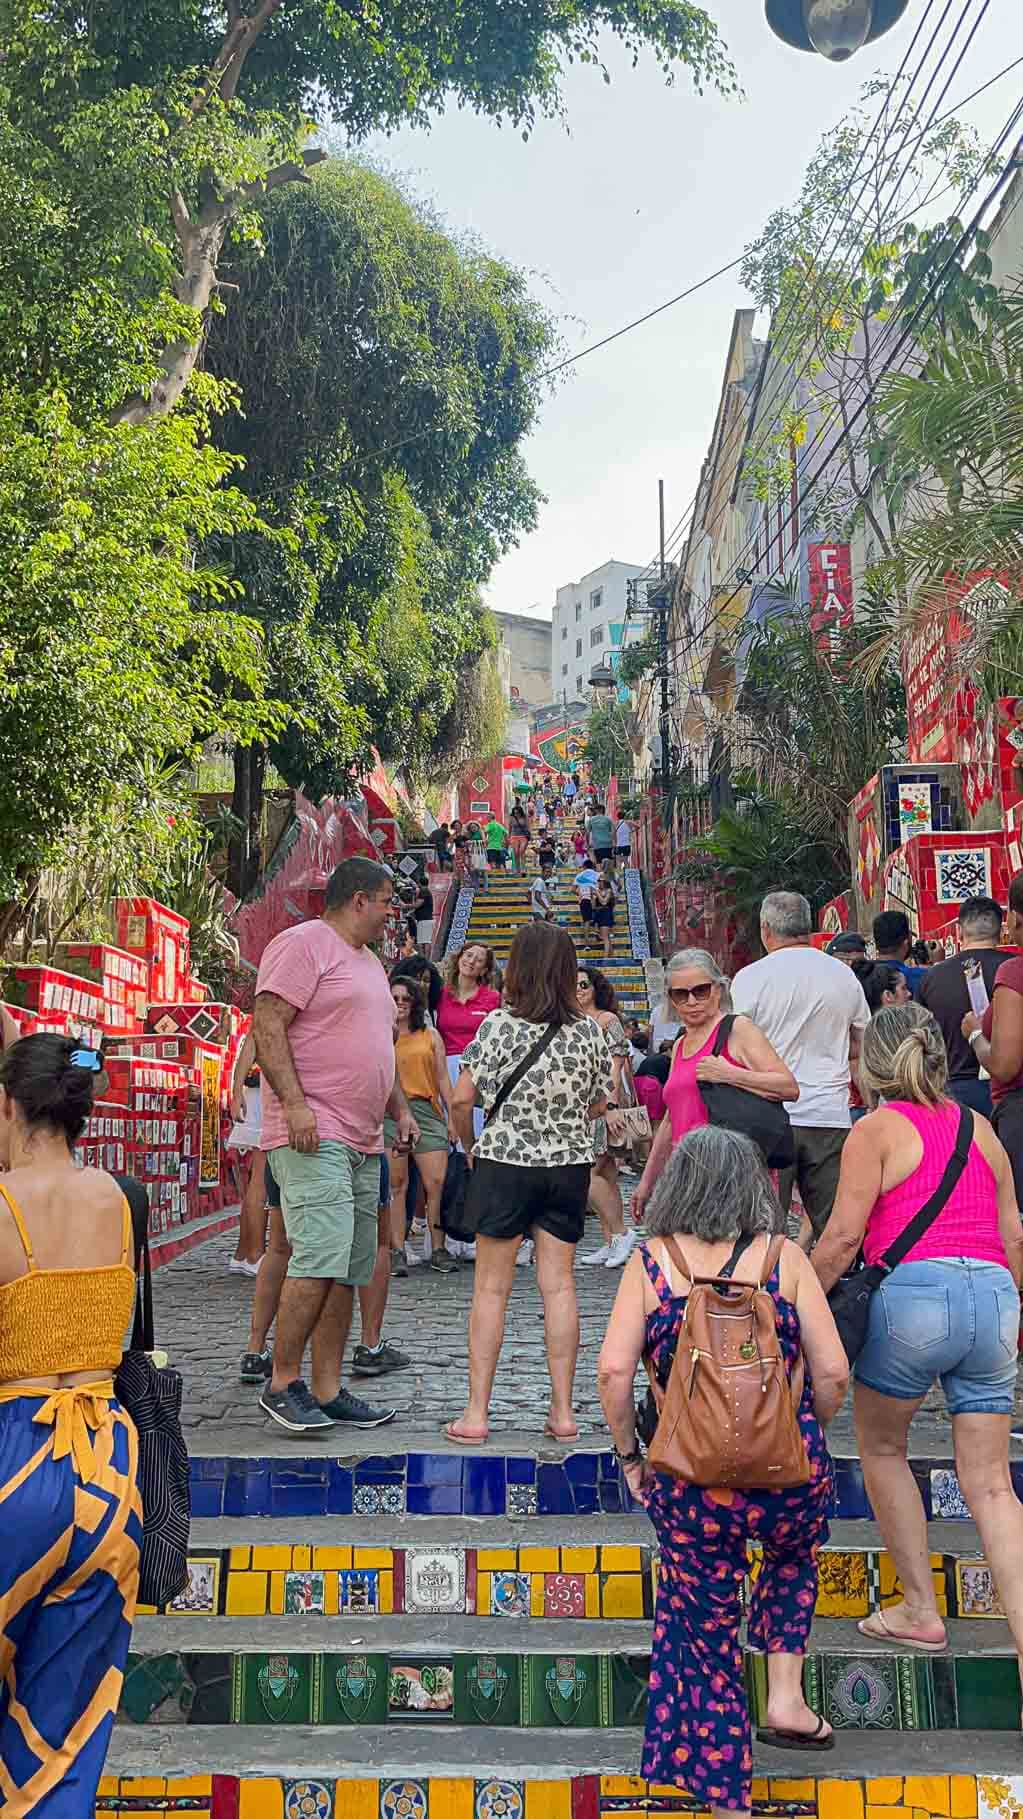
[[723, 1031], [925, 1218], [508, 1086]]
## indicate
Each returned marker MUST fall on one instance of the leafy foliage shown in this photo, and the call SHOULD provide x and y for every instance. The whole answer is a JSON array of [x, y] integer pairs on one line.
[[638, 659], [608, 742], [762, 845]]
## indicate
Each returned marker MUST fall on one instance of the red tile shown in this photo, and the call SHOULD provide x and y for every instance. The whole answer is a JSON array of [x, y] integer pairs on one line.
[[586, 1797], [564, 1595], [225, 1797]]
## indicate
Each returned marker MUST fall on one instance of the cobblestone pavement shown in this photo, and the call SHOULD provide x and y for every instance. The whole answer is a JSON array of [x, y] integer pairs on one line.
[[202, 1319]]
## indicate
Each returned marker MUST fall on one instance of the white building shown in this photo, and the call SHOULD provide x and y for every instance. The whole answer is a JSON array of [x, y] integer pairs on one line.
[[589, 620]]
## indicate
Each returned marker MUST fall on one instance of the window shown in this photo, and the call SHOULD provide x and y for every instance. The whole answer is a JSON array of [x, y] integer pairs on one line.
[[564, 669], [596, 636], [596, 600], [564, 631], [578, 611], [578, 647], [578, 685]]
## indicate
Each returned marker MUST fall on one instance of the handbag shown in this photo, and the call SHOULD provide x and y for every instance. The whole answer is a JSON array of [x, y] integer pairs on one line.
[[648, 1413], [633, 1125], [462, 1210], [735, 1108], [850, 1298], [152, 1397]]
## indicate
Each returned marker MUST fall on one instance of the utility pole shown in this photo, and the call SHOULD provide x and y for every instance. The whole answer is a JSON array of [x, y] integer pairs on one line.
[[662, 654]]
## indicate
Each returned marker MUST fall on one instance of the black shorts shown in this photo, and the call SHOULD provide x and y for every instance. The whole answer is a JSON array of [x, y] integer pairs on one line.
[[507, 1200], [624, 852], [604, 916], [600, 853], [273, 1192], [586, 910], [495, 858]]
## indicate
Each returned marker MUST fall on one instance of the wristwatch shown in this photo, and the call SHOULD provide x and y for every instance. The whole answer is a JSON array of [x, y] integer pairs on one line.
[[633, 1458]]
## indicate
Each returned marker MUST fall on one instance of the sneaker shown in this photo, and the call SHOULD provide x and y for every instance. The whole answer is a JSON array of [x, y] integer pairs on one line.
[[238, 1266], [600, 1256], [350, 1409], [256, 1367], [377, 1364], [622, 1247], [294, 1408], [524, 1255], [399, 1267], [444, 1263]]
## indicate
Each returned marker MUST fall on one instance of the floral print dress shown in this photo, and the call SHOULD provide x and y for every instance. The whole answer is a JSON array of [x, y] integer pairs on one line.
[[697, 1724]]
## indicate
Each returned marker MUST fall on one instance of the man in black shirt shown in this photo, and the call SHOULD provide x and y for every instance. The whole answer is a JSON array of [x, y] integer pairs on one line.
[[943, 989]]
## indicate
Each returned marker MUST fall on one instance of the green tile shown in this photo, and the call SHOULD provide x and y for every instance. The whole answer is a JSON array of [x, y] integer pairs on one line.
[[630, 1676], [916, 1698], [354, 1689], [755, 1673], [275, 1689], [861, 1692], [560, 1691], [210, 1676], [987, 1693], [155, 1687], [487, 1689], [943, 1693]]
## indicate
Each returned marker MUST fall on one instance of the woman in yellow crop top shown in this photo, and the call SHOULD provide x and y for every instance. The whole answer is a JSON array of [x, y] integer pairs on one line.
[[422, 1069], [69, 1501]]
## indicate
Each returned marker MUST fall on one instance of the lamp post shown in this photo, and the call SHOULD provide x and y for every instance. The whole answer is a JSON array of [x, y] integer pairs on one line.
[[834, 28]]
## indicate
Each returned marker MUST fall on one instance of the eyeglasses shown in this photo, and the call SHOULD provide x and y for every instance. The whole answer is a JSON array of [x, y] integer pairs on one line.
[[698, 993]]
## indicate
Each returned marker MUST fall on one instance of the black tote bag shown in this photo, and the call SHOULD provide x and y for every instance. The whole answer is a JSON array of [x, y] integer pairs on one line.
[[765, 1121]]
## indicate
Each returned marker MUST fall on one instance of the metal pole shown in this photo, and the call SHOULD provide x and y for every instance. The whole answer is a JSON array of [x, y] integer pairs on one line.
[[660, 507], [662, 654]]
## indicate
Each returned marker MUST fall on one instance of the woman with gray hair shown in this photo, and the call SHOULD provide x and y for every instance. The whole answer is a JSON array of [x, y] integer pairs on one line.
[[948, 1311], [698, 991], [716, 1198]]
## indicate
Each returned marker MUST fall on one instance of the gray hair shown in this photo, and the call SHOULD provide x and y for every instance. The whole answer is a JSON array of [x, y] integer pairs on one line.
[[715, 1186], [696, 956], [787, 915]]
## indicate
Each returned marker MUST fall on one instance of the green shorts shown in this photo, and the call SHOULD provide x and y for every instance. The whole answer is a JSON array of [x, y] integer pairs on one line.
[[433, 1131], [329, 1201]]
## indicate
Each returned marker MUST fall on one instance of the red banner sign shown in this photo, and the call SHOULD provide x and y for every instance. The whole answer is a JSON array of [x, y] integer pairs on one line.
[[829, 576]]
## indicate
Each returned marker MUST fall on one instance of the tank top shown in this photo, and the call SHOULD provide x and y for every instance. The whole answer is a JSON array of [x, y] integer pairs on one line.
[[414, 1058], [58, 1320], [967, 1225], [682, 1095]]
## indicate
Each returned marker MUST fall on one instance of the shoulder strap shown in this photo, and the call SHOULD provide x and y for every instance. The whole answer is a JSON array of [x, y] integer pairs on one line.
[[508, 1086], [722, 1033], [771, 1256], [674, 1250], [739, 1248], [16, 1215], [925, 1218], [127, 1231], [657, 1276]]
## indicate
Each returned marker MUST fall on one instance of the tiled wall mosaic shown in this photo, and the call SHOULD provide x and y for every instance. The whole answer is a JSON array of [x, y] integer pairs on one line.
[[442, 1484], [638, 929], [586, 1797], [612, 1582]]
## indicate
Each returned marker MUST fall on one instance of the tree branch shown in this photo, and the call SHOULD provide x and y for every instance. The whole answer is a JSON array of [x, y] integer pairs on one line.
[[225, 71]]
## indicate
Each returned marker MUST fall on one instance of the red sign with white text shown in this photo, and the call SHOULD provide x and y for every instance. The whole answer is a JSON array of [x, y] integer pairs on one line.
[[829, 577]]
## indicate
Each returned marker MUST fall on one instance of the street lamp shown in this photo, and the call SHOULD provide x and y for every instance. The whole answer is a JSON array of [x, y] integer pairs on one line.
[[603, 677], [835, 28]]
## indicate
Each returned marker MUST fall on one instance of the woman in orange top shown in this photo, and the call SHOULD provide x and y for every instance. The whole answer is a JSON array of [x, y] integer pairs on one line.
[[422, 1069], [68, 1453]]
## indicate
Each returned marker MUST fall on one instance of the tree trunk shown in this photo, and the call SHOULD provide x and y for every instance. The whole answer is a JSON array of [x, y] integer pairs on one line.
[[245, 855]]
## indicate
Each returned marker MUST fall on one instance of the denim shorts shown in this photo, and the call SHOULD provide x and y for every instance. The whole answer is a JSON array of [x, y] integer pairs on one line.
[[953, 1318]]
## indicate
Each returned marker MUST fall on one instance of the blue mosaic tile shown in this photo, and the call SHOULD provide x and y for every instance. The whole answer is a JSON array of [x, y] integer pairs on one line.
[[246, 1489], [582, 1468], [207, 1498], [389, 1469], [853, 1503], [921, 1471], [483, 1487], [609, 1467], [301, 1492], [554, 1493], [585, 1499], [434, 1468], [434, 1500], [521, 1471], [339, 1489], [610, 1498]]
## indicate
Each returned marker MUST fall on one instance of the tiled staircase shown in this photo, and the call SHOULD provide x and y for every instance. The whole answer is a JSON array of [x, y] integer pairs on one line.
[[424, 1633]]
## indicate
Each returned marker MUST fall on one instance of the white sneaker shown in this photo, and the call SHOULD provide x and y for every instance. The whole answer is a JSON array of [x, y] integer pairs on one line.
[[622, 1247], [240, 1266], [525, 1254], [600, 1256]]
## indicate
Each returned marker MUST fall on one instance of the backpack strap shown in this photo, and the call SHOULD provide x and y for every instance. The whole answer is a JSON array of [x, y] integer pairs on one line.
[[659, 1280], [771, 1259]]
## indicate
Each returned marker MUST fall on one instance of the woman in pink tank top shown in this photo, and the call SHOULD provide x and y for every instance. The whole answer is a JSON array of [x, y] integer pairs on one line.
[[950, 1312], [697, 990]]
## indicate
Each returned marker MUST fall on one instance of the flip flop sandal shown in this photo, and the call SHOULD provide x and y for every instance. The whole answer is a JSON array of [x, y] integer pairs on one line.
[[465, 1439], [798, 1740], [882, 1632]]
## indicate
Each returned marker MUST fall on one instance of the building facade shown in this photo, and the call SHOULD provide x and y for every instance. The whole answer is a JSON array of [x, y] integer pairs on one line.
[[588, 627], [524, 660]]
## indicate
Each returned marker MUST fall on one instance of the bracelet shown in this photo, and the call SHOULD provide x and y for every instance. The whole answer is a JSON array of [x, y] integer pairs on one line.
[[633, 1458], [975, 1038]]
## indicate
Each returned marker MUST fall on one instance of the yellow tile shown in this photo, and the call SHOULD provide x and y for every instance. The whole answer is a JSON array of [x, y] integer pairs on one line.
[[578, 1559], [758, 1789], [840, 1800], [331, 1598], [277, 1594], [536, 1594], [147, 1610], [374, 1556], [842, 1583], [144, 1785], [550, 1799], [963, 1792], [262, 1799], [301, 1559], [385, 1593], [792, 1790], [623, 1595], [450, 1799], [882, 1812], [334, 1559], [538, 1560], [106, 1812], [887, 1791], [107, 1784], [484, 1581], [271, 1559], [929, 1791], [240, 1557], [591, 1592], [496, 1559], [192, 1784], [620, 1560], [622, 1784], [246, 1595], [360, 1799]]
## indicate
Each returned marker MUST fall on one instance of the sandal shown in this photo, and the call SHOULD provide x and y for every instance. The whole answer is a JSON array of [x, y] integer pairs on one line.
[[877, 1629], [565, 1436], [798, 1740], [465, 1439]]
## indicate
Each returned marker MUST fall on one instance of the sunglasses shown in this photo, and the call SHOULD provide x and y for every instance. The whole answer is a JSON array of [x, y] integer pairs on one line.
[[698, 993], [584, 985]]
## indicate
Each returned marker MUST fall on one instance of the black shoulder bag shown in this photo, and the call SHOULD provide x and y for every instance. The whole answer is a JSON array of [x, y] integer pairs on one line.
[[457, 1215], [764, 1121], [849, 1300], [648, 1413], [152, 1397]]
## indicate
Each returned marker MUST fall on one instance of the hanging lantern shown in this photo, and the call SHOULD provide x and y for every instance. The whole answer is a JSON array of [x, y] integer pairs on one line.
[[834, 28]]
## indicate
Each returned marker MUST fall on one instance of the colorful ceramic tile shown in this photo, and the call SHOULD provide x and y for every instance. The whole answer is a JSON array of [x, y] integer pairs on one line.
[[358, 1592], [947, 1499], [522, 1500], [201, 1596], [630, 1675], [509, 1595], [976, 1592], [914, 809], [999, 1797], [434, 1581], [157, 1688], [354, 1689], [308, 1800], [421, 1689], [487, 1689], [303, 1594], [860, 1692], [404, 1800], [499, 1800], [564, 1595], [961, 872], [560, 1691], [274, 1688], [210, 1677], [842, 1588], [987, 1692]]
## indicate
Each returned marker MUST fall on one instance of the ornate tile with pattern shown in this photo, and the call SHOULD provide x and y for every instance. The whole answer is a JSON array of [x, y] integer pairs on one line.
[[404, 1800], [499, 1800], [434, 1581], [860, 1692], [961, 872]]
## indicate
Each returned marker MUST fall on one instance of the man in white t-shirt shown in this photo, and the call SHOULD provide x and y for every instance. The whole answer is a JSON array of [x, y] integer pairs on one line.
[[812, 1010], [541, 897]]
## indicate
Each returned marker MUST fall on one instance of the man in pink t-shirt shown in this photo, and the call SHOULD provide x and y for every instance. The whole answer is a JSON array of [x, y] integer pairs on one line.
[[324, 1033]]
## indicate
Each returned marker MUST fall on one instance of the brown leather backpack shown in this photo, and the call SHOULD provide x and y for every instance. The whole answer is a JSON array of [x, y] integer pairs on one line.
[[728, 1415]]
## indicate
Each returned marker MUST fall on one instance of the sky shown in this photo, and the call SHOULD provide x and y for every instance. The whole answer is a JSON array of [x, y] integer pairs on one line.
[[645, 190]]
